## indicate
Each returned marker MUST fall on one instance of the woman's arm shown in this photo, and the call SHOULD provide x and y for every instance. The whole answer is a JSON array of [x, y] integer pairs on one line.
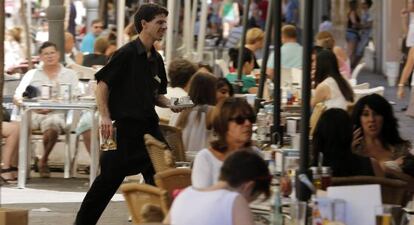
[[408, 68], [322, 93], [378, 172], [404, 21], [167, 219], [241, 212], [340, 53]]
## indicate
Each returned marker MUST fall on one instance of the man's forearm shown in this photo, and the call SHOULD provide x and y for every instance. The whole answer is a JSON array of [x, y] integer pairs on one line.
[[102, 94], [162, 101]]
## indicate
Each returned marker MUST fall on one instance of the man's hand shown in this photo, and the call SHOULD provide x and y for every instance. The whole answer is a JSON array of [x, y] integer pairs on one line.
[[400, 92], [106, 127], [177, 110]]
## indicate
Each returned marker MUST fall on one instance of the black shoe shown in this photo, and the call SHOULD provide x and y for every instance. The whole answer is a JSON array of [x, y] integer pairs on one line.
[[403, 109]]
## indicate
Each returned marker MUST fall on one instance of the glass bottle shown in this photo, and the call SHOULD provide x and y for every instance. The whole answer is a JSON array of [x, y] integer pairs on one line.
[[276, 218]]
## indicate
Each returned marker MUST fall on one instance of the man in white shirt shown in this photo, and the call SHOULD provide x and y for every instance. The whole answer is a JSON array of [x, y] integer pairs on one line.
[[180, 72], [50, 122], [290, 52]]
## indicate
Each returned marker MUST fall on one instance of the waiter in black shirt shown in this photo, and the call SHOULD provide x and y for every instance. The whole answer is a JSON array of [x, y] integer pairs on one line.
[[129, 87]]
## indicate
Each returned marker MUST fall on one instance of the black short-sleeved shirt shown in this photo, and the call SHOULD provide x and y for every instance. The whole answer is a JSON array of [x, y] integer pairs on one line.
[[94, 59], [134, 81]]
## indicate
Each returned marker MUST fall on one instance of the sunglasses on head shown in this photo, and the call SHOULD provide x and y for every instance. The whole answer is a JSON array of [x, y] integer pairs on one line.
[[241, 119]]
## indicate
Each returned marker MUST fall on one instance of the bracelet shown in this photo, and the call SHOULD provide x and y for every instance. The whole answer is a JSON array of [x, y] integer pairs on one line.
[[401, 85]]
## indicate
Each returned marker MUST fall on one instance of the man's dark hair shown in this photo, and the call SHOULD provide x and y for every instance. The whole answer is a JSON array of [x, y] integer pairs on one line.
[[368, 2], [95, 21], [46, 45], [289, 31], [180, 72], [148, 12], [325, 17]]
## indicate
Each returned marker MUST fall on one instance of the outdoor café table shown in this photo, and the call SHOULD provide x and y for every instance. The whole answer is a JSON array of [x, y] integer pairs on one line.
[[28, 106]]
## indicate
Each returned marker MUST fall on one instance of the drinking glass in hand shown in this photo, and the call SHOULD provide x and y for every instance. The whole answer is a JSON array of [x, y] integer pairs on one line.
[[107, 144]]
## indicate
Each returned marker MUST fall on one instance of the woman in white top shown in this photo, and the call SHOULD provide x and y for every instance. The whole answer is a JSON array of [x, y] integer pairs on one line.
[[330, 87], [232, 121], [193, 121], [243, 177]]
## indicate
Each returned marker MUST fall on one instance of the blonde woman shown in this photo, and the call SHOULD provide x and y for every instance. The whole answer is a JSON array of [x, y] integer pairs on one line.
[[254, 42]]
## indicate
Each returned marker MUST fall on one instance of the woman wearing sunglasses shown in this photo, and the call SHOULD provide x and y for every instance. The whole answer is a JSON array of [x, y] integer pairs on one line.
[[231, 121]]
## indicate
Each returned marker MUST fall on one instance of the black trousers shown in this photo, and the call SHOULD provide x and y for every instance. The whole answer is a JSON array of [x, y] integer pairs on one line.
[[130, 158]]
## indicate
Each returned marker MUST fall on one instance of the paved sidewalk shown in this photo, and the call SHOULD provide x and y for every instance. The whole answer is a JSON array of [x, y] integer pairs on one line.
[[64, 213]]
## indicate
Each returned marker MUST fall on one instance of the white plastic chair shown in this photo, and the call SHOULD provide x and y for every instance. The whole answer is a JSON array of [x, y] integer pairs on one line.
[[361, 86], [83, 72], [352, 82], [359, 93], [357, 70]]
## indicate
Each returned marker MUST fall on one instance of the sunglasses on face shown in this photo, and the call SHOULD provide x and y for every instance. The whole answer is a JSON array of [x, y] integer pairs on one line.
[[241, 119], [96, 27]]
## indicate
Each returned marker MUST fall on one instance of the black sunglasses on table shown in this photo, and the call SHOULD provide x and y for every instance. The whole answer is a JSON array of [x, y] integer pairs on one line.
[[241, 119]]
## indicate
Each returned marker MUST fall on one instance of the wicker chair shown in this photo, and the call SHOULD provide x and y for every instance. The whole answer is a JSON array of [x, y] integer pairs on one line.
[[152, 223], [393, 191], [318, 110], [173, 136], [139, 195], [164, 121], [160, 155], [173, 179]]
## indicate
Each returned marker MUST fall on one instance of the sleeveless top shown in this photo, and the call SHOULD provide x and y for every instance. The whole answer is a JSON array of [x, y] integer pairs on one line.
[[350, 24], [228, 12], [203, 207], [195, 133], [337, 100]]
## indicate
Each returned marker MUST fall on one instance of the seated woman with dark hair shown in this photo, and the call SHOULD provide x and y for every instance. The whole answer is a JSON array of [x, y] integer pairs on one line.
[[330, 87], [333, 138], [232, 122], [377, 134], [224, 89], [249, 83], [243, 177]]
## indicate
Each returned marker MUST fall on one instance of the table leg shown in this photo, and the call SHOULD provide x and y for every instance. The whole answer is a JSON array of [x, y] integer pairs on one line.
[[23, 148]]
